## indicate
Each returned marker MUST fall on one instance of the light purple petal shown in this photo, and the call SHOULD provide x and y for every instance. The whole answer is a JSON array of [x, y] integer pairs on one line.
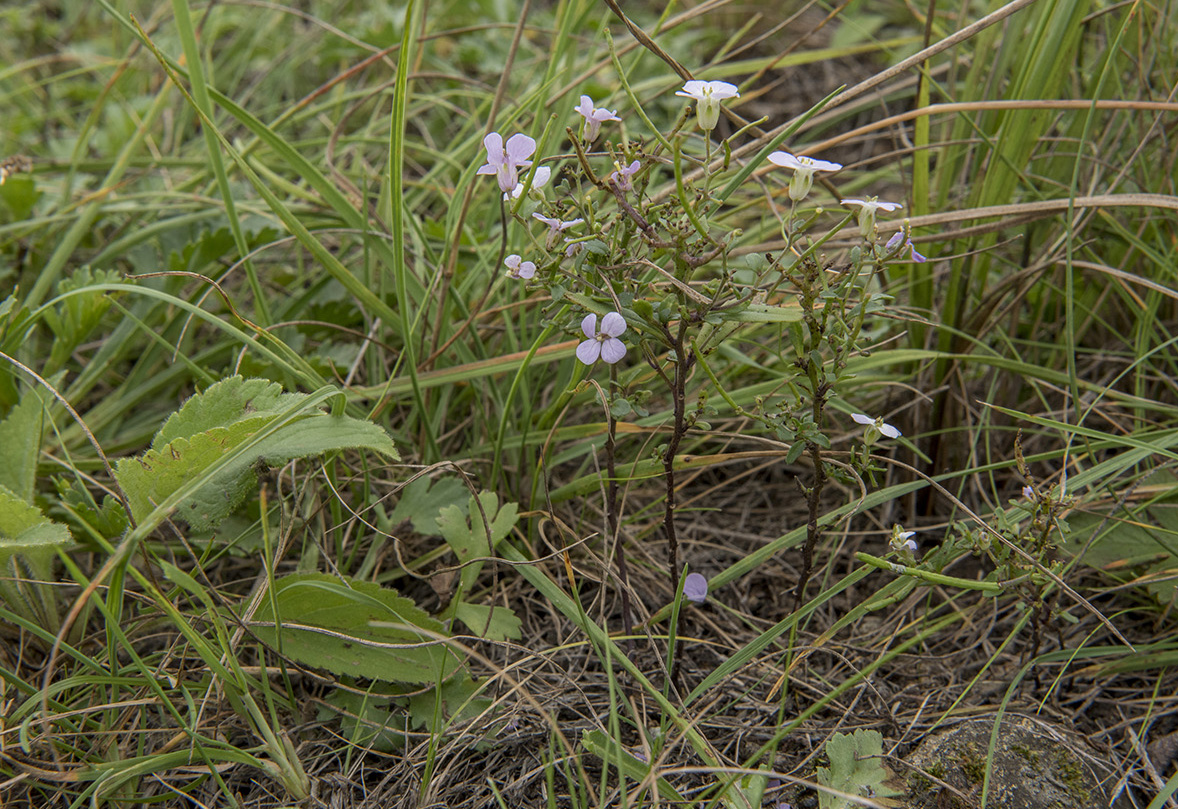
[[859, 418], [586, 107], [895, 240], [612, 350], [588, 351], [692, 89], [889, 431], [695, 588], [613, 324], [512, 262], [720, 90], [589, 327], [552, 223], [527, 269], [494, 144], [917, 257], [520, 148]]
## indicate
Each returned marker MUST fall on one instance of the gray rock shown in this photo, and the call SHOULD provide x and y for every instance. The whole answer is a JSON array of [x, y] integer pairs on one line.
[[1035, 766]]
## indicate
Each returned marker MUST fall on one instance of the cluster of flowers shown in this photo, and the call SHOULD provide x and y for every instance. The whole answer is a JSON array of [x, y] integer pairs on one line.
[[507, 160]]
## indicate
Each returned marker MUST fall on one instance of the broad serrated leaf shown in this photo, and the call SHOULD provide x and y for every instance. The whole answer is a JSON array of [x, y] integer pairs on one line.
[[355, 628], [20, 441], [29, 542], [204, 471], [470, 538], [490, 622], [421, 501], [224, 404]]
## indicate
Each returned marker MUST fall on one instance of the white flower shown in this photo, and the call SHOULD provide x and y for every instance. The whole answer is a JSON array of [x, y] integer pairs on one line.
[[594, 117], [539, 180], [518, 268], [878, 425], [605, 343], [506, 161], [708, 95], [556, 227], [867, 209], [803, 168]]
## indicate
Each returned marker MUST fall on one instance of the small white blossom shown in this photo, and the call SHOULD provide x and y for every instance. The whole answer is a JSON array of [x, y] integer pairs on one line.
[[556, 227], [505, 161], [594, 118], [708, 95], [602, 344], [518, 268], [867, 209], [803, 168], [876, 425]]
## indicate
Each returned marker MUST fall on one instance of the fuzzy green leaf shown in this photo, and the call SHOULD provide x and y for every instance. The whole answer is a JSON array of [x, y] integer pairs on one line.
[[20, 438], [28, 548], [213, 444], [345, 626]]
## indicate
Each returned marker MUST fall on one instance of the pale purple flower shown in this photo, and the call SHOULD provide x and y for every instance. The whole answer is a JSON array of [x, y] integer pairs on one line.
[[594, 118], [1028, 492], [572, 247], [621, 177], [506, 161], [518, 268], [605, 343], [556, 227], [708, 95], [867, 209], [877, 425], [539, 180], [902, 236], [695, 588], [803, 168]]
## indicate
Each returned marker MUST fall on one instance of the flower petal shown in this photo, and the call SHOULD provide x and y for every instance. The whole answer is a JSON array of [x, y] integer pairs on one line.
[[612, 350], [859, 418], [889, 431], [586, 106], [494, 144], [695, 588], [520, 148], [589, 327], [527, 269], [613, 324], [588, 351]]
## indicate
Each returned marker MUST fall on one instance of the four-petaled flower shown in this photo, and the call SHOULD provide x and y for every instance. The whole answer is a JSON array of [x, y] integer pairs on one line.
[[539, 180], [903, 235], [695, 588], [803, 168], [556, 227], [518, 268], [875, 428], [867, 209], [708, 95], [594, 118], [621, 177], [605, 343], [506, 161]]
